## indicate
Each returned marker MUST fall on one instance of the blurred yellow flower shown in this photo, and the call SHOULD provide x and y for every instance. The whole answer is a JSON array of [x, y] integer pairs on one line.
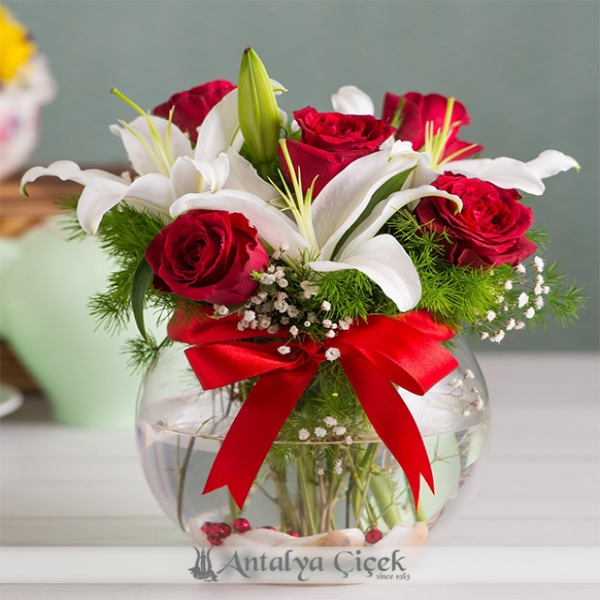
[[16, 48]]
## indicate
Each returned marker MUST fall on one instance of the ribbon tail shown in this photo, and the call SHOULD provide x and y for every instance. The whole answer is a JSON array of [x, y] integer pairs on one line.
[[255, 428], [392, 421]]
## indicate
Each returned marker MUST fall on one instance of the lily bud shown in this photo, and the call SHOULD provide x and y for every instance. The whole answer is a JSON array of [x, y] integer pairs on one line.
[[257, 111]]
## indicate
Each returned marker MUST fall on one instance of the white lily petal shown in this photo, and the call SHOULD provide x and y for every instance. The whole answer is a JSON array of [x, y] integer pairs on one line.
[[278, 88], [351, 100], [283, 118], [66, 170], [384, 260], [551, 162], [186, 178], [243, 176], [98, 197], [504, 172], [189, 176], [220, 130], [384, 211], [142, 154], [220, 172], [345, 197], [423, 174], [400, 147], [389, 143], [272, 225], [152, 191]]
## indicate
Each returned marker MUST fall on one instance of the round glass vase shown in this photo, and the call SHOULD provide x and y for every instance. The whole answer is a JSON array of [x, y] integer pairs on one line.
[[326, 481]]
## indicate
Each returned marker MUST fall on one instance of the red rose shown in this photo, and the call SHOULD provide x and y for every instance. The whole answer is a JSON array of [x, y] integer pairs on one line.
[[490, 229], [207, 255], [191, 107], [330, 142], [419, 110]]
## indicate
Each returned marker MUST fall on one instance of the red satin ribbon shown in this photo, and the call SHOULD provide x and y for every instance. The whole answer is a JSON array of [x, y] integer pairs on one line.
[[374, 355]]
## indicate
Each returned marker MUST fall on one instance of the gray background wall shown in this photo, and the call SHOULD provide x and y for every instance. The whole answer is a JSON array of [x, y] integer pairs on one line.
[[528, 72]]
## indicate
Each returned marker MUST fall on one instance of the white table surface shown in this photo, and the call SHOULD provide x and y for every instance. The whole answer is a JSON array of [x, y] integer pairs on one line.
[[64, 486]]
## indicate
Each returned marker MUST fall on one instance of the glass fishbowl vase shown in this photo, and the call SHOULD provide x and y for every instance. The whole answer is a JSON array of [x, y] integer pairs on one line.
[[328, 479]]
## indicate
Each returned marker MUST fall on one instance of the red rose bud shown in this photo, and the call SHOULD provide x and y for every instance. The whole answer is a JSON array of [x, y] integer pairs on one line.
[[192, 106], [414, 111], [223, 530], [490, 229], [207, 255], [241, 525], [330, 142], [373, 535]]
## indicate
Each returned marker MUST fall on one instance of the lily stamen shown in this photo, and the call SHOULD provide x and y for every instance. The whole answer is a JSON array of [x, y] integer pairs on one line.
[[162, 154], [298, 203], [435, 143]]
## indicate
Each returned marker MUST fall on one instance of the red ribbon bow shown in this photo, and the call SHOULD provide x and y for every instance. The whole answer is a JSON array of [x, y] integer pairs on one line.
[[373, 354]]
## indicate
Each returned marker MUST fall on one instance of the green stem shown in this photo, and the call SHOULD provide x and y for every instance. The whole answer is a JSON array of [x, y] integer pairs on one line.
[[286, 508], [335, 482], [418, 511], [323, 494], [361, 475], [181, 484], [334, 498], [382, 489], [306, 492], [266, 171], [421, 516], [234, 511], [349, 500]]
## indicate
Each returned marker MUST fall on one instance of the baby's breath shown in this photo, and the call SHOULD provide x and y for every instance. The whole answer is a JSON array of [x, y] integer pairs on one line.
[[487, 302]]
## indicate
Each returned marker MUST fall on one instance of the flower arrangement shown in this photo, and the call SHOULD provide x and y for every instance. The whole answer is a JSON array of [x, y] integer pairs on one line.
[[25, 85], [316, 267]]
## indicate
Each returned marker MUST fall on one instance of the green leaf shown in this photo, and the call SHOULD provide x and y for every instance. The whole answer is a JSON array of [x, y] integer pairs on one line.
[[141, 280], [398, 116], [392, 185]]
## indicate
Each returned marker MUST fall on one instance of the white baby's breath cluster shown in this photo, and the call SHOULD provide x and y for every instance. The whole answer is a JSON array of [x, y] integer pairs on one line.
[[463, 387], [330, 431], [519, 300], [286, 298]]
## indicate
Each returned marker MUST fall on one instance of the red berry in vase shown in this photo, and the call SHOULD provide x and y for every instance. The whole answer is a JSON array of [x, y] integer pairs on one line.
[[215, 540], [269, 527], [293, 533], [241, 525], [209, 528], [373, 535], [223, 530]]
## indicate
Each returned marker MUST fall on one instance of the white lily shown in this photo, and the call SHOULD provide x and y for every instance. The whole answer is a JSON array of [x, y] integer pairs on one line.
[[507, 173], [350, 100], [167, 165], [328, 231]]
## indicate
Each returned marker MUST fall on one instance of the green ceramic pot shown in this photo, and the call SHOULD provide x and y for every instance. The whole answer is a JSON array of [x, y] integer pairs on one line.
[[44, 315]]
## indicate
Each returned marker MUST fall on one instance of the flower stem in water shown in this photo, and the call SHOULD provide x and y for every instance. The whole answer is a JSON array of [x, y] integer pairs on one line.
[[180, 486]]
